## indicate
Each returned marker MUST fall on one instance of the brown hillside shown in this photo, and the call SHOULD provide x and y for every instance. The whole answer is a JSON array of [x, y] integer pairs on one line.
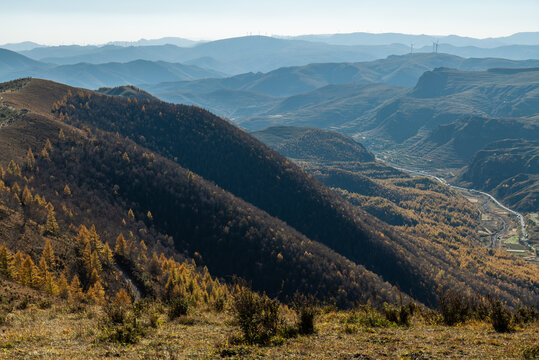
[[274, 223], [192, 217]]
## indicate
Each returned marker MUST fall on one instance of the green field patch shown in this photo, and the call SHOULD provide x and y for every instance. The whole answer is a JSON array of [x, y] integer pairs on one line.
[[515, 246], [512, 240]]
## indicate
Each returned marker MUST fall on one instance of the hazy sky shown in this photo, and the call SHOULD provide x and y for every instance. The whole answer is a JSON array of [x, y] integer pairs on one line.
[[100, 21]]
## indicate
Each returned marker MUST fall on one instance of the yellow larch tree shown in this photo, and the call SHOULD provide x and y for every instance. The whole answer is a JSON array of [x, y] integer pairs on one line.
[[96, 293], [121, 245], [108, 257], [30, 159], [6, 258], [75, 289], [48, 254], [51, 226]]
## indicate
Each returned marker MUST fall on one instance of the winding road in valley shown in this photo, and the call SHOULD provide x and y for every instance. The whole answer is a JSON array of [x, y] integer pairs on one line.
[[520, 217]]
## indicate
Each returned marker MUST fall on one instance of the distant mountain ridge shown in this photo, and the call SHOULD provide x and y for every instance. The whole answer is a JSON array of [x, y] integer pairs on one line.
[[114, 74], [12, 62], [233, 56], [94, 76], [161, 41], [21, 46], [260, 53], [281, 61], [522, 38], [329, 95]]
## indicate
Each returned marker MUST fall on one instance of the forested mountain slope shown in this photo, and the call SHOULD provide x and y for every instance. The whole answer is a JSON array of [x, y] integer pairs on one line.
[[147, 149], [313, 144], [108, 175]]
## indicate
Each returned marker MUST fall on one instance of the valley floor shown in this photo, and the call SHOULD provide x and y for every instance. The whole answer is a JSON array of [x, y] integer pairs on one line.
[[499, 227], [57, 333]]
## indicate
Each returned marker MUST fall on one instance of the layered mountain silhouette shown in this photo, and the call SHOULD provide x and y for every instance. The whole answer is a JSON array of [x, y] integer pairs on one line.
[[88, 75], [261, 53], [523, 38], [322, 95], [233, 56]]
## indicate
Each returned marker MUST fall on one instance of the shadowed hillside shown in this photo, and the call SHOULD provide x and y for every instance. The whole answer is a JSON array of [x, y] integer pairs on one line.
[[130, 174], [128, 91], [108, 176], [241, 165], [238, 163], [509, 169], [313, 144], [454, 144]]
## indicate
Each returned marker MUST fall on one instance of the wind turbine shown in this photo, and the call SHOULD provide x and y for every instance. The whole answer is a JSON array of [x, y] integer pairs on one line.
[[435, 46]]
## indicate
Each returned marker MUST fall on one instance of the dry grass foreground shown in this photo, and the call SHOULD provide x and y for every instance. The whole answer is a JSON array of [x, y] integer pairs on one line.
[[58, 331]]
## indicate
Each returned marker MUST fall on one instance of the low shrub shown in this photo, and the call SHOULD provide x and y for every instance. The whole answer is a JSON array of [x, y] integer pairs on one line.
[[367, 317], [178, 307], [116, 313], [219, 304], [479, 308], [121, 323], [4, 319], [128, 332], [526, 314], [500, 317], [431, 317], [154, 319], [531, 352], [76, 308], [187, 320], [257, 315], [399, 315], [306, 311], [23, 304], [45, 304], [453, 307]]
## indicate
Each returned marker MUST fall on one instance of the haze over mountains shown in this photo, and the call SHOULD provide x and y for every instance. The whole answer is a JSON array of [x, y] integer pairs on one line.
[[260, 53], [358, 38], [233, 56], [523, 38], [262, 109], [15, 65], [425, 105]]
